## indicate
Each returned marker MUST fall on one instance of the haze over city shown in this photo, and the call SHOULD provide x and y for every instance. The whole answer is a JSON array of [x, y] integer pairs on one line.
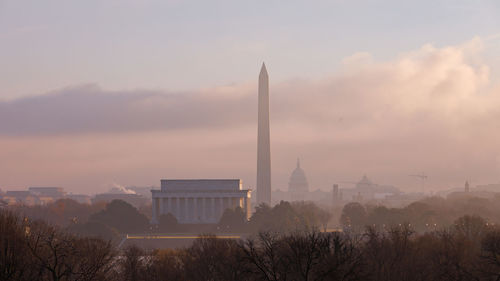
[[148, 140], [98, 93]]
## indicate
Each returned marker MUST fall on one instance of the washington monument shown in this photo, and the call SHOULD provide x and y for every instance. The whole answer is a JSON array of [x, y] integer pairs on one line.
[[263, 141]]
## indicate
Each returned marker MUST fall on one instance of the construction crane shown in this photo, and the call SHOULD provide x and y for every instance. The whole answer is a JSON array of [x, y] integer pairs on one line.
[[423, 177]]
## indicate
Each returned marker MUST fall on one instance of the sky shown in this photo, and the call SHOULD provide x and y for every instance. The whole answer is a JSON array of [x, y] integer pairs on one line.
[[97, 93]]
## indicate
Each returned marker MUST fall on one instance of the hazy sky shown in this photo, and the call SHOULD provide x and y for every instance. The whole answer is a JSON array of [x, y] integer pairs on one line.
[[120, 91]]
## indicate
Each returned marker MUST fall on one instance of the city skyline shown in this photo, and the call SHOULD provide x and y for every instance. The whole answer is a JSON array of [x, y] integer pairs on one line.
[[249, 140]]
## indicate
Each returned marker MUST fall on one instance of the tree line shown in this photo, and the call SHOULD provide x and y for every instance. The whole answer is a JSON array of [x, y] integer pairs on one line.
[[425, 215], [468, 250], [106, 220]]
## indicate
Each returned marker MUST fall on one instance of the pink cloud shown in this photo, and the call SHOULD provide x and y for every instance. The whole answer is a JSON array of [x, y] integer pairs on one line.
[[432, 109]]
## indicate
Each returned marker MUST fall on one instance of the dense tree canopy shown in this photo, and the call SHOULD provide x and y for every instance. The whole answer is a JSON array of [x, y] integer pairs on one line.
[[429, 214], [94, 229], [168, 223], [286, 217], [233, 220], [353, 215], [122, 216], [62, 212]]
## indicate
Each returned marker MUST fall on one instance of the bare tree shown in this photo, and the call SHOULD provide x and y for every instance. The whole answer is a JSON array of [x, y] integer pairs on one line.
[[304, 253], [210, 258], [133, 264], [453, 258], [166, 265], [53, 251], [94, 259], [342, 260], [490, 255], [471, 227], [14, 256], [263, 256]]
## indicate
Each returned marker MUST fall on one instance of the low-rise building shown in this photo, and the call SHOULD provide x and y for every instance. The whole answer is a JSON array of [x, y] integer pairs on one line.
[[21, 197], [80, 198], [55, 193]]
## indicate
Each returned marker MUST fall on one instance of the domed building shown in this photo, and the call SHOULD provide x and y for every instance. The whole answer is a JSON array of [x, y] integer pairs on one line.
[[365, 183], [298, 186]]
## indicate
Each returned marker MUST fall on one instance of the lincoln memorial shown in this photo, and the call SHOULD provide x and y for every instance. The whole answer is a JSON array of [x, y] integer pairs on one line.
[[199, 201]]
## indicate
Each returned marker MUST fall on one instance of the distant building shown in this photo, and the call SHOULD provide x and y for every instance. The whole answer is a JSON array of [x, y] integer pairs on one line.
[[118, 192], [278, 195], [34, 196], [320, 197], [488, 187], [363, 191], [400, 200], [366, 190], [20, 197], [80, 198], [144, 191], [133, 199], [364, 183], [487, 191], [46, 195], [336, 195], [298, 186], [200, 201]]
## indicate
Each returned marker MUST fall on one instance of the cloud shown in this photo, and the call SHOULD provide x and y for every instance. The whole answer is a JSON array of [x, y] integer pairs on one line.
[[432, 109], [356, 60], [88, 109], [441, 83]]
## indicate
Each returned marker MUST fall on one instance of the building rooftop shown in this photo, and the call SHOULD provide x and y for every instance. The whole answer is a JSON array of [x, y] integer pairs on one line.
[[18, 193], [197, 184], [298, 180]]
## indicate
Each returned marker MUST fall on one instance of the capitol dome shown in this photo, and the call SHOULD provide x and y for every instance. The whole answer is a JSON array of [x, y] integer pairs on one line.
[[298, 181], [364, 183]]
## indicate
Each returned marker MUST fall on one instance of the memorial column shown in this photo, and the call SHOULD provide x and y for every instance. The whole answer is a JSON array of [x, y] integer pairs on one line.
[[154, 218], [195, 209], [204, 209], [213, 216], [186, 209], [177, 208]]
